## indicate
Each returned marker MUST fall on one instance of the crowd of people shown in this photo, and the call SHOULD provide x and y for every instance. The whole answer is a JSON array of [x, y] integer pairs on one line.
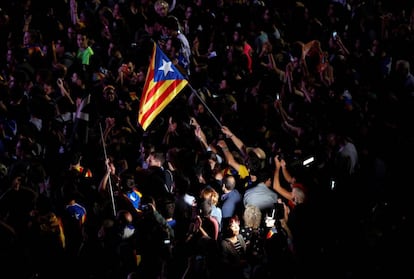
[[287, 154]]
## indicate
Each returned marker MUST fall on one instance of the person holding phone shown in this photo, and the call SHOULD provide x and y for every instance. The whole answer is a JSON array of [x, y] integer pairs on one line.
[[296, 193]]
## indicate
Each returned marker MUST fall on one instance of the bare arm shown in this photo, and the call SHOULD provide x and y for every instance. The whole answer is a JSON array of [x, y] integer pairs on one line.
[[63, 90], [276, 181], [104, 181], [74, 12], [198, 132], [237, 142]]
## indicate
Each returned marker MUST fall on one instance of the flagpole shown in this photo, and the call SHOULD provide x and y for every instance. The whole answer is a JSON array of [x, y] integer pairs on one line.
[[205, 105], [163, 82], [109, 178]]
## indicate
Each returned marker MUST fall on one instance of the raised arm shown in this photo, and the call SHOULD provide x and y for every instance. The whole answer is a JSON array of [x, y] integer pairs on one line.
[[237, 142], [276, 180], [198, 132], [228, 155], [110, 169]]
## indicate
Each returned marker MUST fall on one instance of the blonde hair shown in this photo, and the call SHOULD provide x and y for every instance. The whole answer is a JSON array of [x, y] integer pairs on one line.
[[209, 193], [252, 216], [161, 4]]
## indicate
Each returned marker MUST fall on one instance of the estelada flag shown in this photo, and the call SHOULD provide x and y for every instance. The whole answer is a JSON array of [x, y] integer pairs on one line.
[[163, 82]]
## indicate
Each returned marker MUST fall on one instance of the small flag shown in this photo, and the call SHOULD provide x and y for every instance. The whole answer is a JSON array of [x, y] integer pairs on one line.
[[163, 82]]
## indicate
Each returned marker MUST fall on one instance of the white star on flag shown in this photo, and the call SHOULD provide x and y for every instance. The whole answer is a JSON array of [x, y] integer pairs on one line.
[[166, 67]]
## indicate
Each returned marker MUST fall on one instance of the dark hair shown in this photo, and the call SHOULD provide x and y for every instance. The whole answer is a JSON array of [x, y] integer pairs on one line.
[[227, 231], [127, 180], [171, 22], [229, 184], [158, 155], [75, 158], [205, 207], [166, 207], [182, 183], [264, 174], [254, 164]]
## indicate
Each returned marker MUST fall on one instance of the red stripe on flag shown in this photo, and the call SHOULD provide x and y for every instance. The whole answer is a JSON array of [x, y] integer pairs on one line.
[[165, 95]]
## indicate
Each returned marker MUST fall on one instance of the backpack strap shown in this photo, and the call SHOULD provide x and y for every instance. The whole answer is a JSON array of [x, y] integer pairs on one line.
[[169, 181]]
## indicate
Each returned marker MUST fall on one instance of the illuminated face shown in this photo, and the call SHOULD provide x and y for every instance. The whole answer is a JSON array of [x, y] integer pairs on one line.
[[161, 8], [27, 38], [152, 161], [82, 41], [235, 227]]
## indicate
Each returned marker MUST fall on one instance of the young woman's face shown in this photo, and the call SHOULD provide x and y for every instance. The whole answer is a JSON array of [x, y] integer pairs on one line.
[[235, 228]]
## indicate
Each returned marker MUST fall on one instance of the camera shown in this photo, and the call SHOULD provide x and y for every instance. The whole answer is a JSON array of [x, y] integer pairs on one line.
[[103, 71], [145, 207]]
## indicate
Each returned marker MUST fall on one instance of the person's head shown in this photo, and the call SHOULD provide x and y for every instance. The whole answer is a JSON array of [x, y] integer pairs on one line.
[[166, 207], [203, 173], [156, 158], [255, 158], [264, 176], [127, 180], [31, 37], [161, 7], [71, 33], [182, 184], [171, 25], [212, 157], [82, 40], [205, 208], [298, 193], [232, 227], [124, 217], [24, 147], [208, 193], [109, 93], [77, 79], [402, 67], [124, 221], [252, 216], [229, 183], [75, 158]]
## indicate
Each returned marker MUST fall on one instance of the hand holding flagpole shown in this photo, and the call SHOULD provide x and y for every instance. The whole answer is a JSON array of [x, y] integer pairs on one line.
[[109, 177]]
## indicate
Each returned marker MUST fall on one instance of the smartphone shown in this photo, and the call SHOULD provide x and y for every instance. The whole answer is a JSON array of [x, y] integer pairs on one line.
[[212, 54], [307, 161], [334, 35], [277, 96], [332, 184]]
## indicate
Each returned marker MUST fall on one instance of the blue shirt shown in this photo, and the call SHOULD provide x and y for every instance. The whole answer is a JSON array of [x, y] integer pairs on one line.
[[260, 196], [229, 203]]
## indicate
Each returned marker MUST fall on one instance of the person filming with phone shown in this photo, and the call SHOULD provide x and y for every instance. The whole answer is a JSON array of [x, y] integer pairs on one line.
[[300, 218]]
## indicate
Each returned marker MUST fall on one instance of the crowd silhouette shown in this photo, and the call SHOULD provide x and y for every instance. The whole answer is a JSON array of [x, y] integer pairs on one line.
[[288, 155]]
